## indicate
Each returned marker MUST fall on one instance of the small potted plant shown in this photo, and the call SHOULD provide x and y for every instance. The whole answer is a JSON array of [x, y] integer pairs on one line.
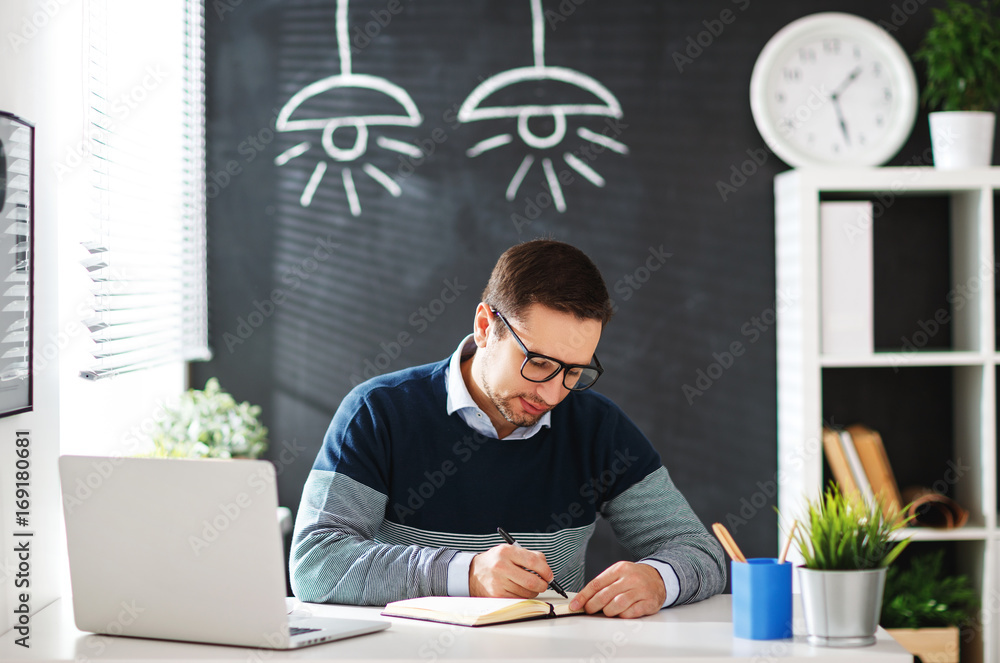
[[961, 51], [923, 608], [209, 423], [846, 544]]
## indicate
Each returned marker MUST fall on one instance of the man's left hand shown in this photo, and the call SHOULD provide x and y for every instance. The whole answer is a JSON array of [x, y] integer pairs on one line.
[[625, 590]]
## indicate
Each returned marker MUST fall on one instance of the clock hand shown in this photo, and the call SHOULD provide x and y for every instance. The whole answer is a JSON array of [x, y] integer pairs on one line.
[[840, 119], [835, 99], [837, 91]]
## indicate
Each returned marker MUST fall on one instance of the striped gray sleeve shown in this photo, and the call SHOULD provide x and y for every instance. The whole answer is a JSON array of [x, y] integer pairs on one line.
[[653, 520], [336, 559]]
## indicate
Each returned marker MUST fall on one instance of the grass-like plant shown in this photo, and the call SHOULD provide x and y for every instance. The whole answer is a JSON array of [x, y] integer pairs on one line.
[[209, 423], [843, 532], [921, 596], [962, 53]]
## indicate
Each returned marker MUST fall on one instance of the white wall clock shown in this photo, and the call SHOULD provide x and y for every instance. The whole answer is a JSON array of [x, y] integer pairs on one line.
[[833, 89]]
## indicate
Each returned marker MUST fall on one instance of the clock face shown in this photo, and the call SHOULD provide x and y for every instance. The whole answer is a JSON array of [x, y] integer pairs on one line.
[[833, 89]]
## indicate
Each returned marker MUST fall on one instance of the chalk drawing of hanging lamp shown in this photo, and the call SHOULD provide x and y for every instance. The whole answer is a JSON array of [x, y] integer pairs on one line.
[[589, 98], [303, 112]]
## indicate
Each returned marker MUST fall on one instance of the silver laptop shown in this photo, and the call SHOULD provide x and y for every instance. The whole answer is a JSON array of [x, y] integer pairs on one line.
[[183, 550]]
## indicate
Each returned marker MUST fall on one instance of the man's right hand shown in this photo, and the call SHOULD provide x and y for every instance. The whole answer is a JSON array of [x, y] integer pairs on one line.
[[503, 572]]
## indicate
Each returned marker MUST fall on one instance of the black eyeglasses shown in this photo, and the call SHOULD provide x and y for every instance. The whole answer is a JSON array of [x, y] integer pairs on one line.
[[539, 368]]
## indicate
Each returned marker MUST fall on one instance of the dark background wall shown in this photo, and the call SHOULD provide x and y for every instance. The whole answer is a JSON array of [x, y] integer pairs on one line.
[[305, 301]]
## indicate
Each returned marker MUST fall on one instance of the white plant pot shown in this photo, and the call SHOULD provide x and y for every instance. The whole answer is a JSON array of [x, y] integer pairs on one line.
[[841, 608], [962, 139]]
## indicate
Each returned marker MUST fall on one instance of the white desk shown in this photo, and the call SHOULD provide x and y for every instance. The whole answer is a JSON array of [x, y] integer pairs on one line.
[[700, 632]]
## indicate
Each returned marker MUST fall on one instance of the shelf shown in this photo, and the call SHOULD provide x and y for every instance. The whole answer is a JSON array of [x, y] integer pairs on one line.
[[958, 534], [901, 181], [903, 359], [931, 389]]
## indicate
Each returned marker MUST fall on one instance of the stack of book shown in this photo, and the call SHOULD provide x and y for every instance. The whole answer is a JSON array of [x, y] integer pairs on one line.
[[860, 466]]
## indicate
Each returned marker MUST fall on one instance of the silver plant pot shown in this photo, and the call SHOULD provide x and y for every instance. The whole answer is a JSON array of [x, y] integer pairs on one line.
[[841, 608]]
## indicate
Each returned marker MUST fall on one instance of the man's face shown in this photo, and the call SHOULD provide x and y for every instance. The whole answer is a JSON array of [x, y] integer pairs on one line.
[[546, 331]]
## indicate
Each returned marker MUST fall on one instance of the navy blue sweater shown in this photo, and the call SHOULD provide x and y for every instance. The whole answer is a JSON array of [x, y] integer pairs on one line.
[[399, 486]]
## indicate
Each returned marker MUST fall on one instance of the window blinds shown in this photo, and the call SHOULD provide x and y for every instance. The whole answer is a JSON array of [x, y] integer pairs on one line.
[[147, 258], [16, 194]]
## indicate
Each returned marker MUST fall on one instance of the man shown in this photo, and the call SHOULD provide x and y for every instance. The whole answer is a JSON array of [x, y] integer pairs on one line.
[[420, 467]]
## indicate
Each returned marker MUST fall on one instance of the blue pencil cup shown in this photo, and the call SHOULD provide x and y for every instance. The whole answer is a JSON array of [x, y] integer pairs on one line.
[[762, 599]]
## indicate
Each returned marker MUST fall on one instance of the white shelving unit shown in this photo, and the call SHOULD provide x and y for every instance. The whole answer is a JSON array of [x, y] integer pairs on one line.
[[974, 357]]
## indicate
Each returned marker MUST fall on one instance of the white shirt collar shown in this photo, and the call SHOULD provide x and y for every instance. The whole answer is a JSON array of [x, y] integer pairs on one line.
[[460, 400]]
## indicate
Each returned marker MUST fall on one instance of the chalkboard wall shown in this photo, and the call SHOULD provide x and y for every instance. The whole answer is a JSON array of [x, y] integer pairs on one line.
[[337, 256]]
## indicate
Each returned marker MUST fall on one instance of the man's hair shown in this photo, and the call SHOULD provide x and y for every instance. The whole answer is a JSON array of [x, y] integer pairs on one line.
[[550, 273]]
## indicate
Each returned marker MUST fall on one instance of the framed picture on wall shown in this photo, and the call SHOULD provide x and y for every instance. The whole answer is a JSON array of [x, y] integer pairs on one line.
[[17, 184]]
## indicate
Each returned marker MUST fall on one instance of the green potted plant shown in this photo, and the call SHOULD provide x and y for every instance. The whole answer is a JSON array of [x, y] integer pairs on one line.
[[961, 52], [846, 544], [923, 608], [209, 423]]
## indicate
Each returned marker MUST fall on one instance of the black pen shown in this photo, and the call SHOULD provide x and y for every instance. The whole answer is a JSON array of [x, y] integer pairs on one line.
[[552, 585]]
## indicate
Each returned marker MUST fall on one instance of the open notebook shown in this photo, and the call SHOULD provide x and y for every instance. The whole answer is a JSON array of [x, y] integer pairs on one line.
[[480, 611]]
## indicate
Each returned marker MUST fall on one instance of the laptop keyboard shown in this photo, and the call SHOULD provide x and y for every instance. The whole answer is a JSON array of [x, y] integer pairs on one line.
[[298, 630]]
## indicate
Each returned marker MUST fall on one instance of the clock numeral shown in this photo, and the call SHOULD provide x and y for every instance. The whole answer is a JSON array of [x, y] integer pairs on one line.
[[877, 69], [831, 45], [779, 97], [879, 120], [807, 55], [857, 53], [791, 73], [888, 94], [861, 139]]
